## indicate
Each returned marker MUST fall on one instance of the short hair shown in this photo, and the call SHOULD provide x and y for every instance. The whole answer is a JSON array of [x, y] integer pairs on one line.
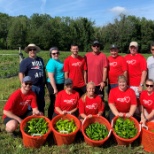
[[122, 77], [152, 44], [51, 49], [74, 44], [150, 80]]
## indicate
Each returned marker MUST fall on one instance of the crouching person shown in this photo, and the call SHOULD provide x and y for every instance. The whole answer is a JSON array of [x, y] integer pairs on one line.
[[16, 108]]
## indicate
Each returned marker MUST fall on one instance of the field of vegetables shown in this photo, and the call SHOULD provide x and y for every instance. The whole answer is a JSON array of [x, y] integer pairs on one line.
[[9, 66]]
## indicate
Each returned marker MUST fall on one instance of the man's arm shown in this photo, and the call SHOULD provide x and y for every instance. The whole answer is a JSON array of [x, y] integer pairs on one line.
[[21, 76], [143, 77], [66, 75]]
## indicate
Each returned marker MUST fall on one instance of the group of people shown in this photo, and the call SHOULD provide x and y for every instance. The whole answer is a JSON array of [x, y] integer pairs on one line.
[[76, 86]]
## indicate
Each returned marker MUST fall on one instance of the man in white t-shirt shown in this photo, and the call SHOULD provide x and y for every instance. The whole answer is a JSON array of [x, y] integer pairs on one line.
[[150, 63]]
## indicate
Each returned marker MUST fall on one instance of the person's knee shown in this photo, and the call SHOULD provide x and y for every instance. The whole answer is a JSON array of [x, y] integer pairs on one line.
[[11, 126]]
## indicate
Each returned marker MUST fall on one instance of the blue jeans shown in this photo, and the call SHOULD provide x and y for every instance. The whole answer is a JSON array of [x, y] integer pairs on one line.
[[40, 93]]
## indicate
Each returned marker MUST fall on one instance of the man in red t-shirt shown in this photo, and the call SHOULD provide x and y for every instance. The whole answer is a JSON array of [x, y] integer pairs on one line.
[[137, 68], [16, 108], [117, 66], [75, 68], [97, 65]]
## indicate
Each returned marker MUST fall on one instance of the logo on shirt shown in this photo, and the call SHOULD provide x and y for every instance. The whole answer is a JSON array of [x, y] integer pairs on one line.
[[125, 99], [131, 62], [113, 64], [92, 106], [37, 65], [70, 101], [26, 103], [148, 102], [76, 64]]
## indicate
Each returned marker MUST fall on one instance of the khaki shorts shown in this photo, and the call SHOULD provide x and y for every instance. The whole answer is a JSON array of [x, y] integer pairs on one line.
[[135, 90]]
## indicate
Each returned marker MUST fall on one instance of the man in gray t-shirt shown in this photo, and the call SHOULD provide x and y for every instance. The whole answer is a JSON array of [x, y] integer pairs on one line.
[[150, 63]]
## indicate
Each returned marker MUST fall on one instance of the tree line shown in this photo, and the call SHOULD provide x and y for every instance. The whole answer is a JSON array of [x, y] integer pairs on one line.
[[46, 31]]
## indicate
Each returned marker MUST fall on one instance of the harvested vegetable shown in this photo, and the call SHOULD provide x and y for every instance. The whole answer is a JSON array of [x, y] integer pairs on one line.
[[65, 126], [125, 128], [36, 126], [96, 131]]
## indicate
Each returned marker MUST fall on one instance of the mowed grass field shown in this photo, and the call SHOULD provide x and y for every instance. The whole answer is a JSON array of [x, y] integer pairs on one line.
[[9, 145]]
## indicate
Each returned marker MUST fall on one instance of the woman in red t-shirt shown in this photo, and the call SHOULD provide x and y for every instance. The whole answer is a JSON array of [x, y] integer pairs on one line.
[[122, 99], [147, 102], [90, 103], [66, 100]]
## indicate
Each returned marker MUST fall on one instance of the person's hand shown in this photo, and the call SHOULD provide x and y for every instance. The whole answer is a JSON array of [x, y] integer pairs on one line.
[[102, 85], [98, 114], [120, 114], [64, 112], [55, 91], [68, 112], [140, 88], [143, 121], [89, 116], [37, 112], [128, 115], [19, 120]]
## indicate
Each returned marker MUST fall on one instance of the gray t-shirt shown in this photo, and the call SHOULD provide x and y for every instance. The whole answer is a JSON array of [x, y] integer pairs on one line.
[[150, 65]]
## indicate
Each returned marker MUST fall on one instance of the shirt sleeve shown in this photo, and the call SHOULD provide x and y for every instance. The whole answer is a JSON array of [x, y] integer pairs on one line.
[[66, 65], [50, 67], [34, 102], [81, 106], [111, 96], [58, 100], [23, 66]]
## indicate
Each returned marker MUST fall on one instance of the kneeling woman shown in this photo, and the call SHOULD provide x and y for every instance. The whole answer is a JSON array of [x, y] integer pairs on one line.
[[122, 100], [147, 102], [90, 103], [66, 100]]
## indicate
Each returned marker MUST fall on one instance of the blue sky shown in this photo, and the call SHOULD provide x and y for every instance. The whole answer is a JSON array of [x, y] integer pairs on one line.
[[100, 11]]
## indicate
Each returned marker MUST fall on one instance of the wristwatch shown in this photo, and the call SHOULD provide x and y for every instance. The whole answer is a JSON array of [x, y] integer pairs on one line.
[[141, 85]]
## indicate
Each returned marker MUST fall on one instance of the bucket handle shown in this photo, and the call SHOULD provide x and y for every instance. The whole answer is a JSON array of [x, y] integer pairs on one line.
[[144, 126], [140, 126], [37, 135], [84, 120], [109, 132]]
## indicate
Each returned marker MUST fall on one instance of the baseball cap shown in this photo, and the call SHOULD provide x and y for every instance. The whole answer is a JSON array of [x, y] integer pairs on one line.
[[133, 43], [27, 79], [113, 46], [95, 42], [68, 81]]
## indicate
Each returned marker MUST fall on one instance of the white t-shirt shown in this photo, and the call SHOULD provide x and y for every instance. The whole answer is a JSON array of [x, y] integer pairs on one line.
[[150, 65]]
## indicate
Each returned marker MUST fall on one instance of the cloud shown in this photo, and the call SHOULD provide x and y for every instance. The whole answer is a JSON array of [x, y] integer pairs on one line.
[[118, 10]]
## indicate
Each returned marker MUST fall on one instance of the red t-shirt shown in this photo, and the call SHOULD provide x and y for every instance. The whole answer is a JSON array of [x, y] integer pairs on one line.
[[95, 64], [136, 65], [91, 105], [75, 68], [117, 66], [18, 102], [122, 99], [66, 101], [147, 101]]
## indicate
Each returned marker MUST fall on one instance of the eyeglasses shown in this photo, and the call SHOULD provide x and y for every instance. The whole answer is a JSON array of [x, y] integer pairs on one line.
[[148, 85], [96, 46], [27, 83], [56, 53], [30, 49]]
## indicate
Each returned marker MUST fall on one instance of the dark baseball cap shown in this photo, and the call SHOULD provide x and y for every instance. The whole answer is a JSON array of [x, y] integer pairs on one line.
[[27, 79], [68, 81], [113, 46], [95, 42]]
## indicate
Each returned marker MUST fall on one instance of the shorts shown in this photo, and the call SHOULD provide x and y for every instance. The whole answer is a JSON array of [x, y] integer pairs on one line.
[[7, 119], [135, 88]]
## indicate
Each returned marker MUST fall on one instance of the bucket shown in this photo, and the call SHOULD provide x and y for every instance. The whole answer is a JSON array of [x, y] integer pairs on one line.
[[91, 120], [60, 138], [147, 137], [123, 141], [33, 141]]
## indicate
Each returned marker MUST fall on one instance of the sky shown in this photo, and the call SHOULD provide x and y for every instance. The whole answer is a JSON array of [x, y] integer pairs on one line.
[[101, 12]]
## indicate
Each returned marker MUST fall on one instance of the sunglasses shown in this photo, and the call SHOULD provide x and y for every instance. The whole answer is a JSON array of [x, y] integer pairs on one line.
[[27, 83], [96, 45], [148, 85], [30, 49], [56, 53]]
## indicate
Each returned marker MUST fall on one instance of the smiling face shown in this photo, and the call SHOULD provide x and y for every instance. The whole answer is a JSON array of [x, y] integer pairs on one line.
[[55, 54], [90, 89], [74, 49], [122, 83], [32, 52], [133, 50], [26, 86], [95, 48], [114, 52], [149, 86]]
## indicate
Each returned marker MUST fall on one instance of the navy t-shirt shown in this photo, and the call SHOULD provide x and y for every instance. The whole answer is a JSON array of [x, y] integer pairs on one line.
[[33, 68]]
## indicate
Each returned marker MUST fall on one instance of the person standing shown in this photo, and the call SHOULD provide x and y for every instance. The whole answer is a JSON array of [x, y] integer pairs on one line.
[[150, 63], [33, 66], [75, 68], [137, 68], [117, 66], [55, 81], [16, 107], [97, 65]]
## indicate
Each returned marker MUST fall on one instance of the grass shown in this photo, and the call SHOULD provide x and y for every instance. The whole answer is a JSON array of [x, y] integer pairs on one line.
[[15, 146]]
